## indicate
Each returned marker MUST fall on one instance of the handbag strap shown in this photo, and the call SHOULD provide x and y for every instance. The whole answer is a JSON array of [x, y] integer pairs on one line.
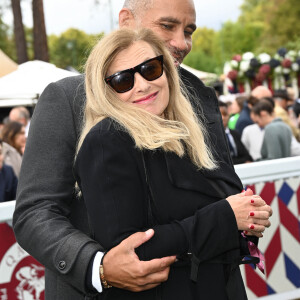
[[150, 203]]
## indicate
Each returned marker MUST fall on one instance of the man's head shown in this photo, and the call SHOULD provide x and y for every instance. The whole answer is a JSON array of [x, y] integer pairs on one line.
[[172, 20], [262, 112], [281, 98], [261, 92], [224, 113], [20, 114]]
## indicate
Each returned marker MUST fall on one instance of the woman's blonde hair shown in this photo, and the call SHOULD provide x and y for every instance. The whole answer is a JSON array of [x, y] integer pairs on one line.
[[179, 131]]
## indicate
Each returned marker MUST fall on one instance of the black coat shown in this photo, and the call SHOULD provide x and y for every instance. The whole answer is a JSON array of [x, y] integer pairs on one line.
[[190, 215]]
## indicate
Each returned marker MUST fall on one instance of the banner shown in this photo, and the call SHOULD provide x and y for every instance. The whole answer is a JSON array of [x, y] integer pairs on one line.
[[21, 276]]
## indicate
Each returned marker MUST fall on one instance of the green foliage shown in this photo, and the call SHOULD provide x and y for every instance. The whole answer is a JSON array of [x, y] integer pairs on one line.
[[71, 48], [263, 26], [7, 44], [199, 60]]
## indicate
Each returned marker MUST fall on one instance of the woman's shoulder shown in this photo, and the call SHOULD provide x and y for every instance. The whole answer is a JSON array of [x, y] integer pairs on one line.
[[109, 129]]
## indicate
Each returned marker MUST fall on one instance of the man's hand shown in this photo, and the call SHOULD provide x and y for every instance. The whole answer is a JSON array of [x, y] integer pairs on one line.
[[123, 269]]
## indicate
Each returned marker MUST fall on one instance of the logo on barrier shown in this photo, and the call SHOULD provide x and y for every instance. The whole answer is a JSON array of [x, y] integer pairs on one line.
[[21, 276]]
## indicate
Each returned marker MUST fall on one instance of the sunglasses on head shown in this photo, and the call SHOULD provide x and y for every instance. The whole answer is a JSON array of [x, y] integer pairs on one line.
[[123, 81]]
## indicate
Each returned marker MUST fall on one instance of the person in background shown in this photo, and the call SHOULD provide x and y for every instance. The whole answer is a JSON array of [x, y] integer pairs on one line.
[[13, 133], [21, 114], [235, 109], [278, 136], [252, 135], [12, 158], [245, 120], [282, 100], [238, 152], [8, 180]]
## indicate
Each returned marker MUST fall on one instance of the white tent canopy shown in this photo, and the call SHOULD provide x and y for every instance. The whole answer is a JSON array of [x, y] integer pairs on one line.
[[30, 79]]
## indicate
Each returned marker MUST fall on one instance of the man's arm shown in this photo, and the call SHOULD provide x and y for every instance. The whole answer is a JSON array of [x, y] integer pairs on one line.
[[49, 222]]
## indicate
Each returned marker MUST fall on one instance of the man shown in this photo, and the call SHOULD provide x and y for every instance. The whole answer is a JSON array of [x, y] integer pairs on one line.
[[252, 136], [278, 136], [244, 119], [282, 99], [20, 114], [238, 152], [49, 222]]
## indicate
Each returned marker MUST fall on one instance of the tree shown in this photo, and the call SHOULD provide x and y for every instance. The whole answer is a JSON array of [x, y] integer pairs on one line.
[[19, 32], [39, 31], [7, 44], [71, 48]]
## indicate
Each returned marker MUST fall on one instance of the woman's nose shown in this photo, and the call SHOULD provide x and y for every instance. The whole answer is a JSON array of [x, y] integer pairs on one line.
[[140, 83]]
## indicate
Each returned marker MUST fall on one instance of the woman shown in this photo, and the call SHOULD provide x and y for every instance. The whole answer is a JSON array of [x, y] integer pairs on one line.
[[14, 140], [144, 161], [13, 133]]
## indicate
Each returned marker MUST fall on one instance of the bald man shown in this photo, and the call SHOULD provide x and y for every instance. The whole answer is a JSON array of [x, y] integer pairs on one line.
[[20, 114], [49, 221]]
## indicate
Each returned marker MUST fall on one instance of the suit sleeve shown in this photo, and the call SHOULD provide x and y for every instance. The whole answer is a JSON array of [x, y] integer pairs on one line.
[[108, 167], [45, 196], [243, 154]]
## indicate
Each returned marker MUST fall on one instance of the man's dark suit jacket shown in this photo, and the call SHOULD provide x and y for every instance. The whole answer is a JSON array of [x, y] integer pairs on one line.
[[242, 153], [50, 222]]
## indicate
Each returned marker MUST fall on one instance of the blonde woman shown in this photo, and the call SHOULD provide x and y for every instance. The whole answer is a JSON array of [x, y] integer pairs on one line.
[[144, 161]]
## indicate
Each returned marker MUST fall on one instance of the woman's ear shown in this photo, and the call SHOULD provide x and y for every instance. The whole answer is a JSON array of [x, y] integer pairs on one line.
[[126, 19]]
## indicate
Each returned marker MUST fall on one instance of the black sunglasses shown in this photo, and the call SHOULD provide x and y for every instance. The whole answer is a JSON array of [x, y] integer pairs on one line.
[[123, 81]]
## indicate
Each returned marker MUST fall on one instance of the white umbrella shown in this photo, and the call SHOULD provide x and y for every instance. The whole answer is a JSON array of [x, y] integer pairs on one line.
[[30, 79]]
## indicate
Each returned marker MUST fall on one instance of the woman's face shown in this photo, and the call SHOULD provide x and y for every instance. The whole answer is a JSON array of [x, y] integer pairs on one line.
[[152, 96], [20, 139], [234, 107]]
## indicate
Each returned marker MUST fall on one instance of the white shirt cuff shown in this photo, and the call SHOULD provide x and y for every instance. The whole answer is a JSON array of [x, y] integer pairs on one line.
[[96, 272]]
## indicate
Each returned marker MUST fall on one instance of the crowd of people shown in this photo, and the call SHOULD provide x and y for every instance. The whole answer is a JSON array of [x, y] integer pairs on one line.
[[263, 125], [13, 134]]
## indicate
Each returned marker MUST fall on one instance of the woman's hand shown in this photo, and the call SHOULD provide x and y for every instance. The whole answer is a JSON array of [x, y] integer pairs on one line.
[[251, 212]]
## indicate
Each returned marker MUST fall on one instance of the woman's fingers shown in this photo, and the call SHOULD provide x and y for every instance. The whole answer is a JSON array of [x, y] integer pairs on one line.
[[256, 228]]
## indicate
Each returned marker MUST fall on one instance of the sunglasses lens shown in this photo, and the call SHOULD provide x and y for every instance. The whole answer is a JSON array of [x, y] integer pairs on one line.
[[152, 70], [122, 82]]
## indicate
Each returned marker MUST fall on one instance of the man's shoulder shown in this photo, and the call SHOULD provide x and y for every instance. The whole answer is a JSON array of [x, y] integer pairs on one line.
[[72, 86], [199, 93], [71, 81]]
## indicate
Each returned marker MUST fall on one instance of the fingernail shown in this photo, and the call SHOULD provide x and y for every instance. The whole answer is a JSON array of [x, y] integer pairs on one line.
[[246, 232], [148, 232], [251, 227], [243, 191], [251, 214], [252, 201]]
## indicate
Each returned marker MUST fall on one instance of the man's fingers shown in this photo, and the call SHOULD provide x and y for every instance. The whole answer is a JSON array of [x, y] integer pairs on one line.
[[157, 264], [137, 239]]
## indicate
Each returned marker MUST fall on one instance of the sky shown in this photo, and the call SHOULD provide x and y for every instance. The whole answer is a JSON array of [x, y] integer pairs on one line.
[[85, 15]]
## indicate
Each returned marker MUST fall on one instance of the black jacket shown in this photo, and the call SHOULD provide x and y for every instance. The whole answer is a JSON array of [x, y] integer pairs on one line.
[[190, 213]]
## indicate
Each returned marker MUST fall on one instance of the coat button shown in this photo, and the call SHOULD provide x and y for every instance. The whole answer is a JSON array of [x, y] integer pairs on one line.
[[62, 265]]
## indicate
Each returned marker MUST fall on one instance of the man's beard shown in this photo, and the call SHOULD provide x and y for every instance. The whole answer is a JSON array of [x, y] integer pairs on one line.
[[178, 55]]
